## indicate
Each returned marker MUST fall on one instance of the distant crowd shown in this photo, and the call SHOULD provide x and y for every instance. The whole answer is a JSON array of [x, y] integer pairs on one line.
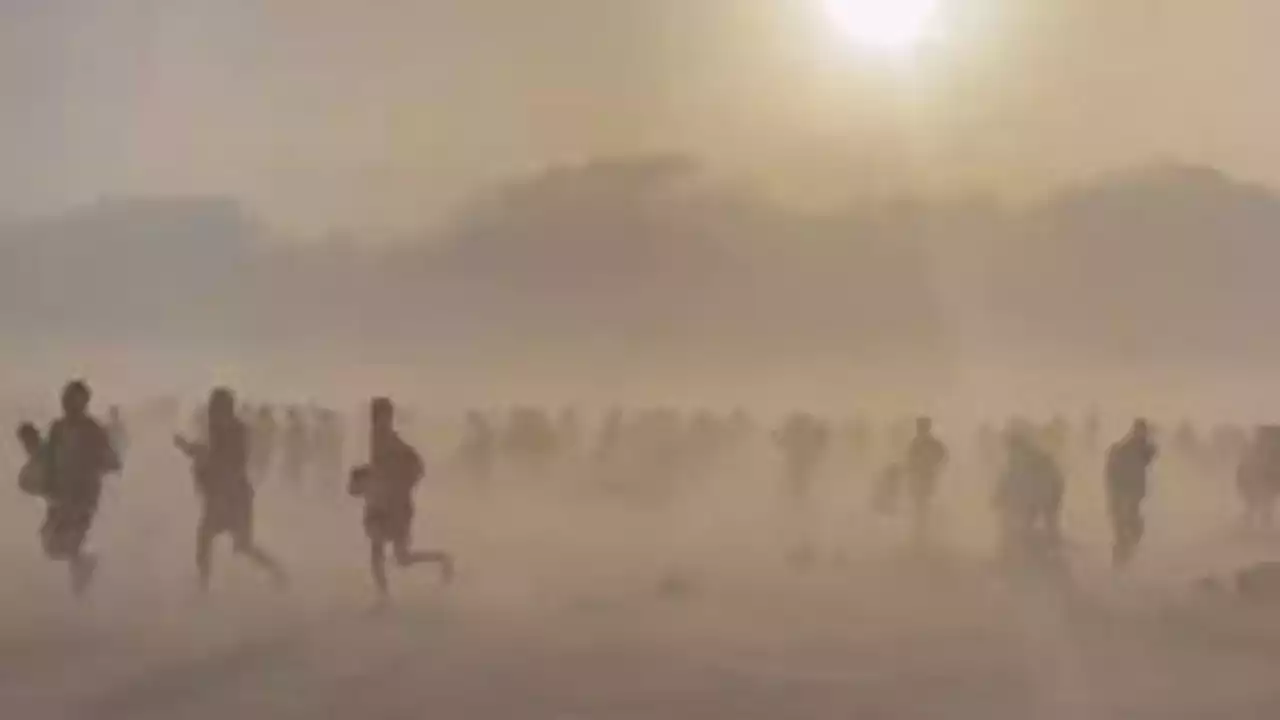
[[234, 448]]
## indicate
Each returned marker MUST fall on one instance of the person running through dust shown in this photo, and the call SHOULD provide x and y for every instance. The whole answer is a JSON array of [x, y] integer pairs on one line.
[[1258, 478], [386, 485], [803, 440], [1127, 464], [1028, 499], [926, 458], [220, 467], [77, 456]]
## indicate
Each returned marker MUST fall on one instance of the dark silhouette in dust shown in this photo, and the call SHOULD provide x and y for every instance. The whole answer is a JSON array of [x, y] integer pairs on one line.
[[803, 440], [386, 485], [1258, 477], [1127, 464], [1028, 499], [926, 458], [76, 457], [220, 465]]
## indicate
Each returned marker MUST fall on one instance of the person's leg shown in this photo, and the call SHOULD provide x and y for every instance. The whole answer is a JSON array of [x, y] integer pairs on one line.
[[406, 556], [259, 556], [82, 565], [1053, 519], [69, 536], [1139, 524], [1128, 531], [922, 497], [247, 546], [1115, 508]]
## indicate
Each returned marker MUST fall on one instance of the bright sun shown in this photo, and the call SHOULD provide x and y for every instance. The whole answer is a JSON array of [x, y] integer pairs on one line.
[[892, 26]]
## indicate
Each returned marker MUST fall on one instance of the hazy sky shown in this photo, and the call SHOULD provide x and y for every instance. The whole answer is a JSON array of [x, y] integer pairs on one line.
[[381, 112]]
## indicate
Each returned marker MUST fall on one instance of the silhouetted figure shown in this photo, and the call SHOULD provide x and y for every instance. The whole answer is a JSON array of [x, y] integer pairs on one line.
[[926, 458], [803, 440], [221, 470], [1028, 498], [1258, 477], [1127, 464], [78, 454], [386, 485]]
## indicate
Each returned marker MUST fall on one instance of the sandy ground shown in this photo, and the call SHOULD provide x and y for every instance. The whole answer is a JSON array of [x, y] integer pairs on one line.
[[579, 609]]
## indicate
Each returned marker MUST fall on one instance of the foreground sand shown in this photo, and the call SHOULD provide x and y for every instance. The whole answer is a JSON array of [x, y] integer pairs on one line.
[[595, 613]]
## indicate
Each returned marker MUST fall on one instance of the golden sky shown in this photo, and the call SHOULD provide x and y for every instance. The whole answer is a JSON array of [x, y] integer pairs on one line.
[[382, 112]]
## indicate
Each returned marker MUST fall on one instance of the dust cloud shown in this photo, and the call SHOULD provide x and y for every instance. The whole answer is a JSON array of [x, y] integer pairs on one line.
[[645, 581], [677, 572]]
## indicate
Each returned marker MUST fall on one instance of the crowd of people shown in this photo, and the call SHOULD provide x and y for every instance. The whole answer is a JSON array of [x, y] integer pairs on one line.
[[234, 448]]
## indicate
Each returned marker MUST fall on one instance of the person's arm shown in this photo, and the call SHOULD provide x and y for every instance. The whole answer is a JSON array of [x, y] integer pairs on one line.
[[358, 480], [188, 448]]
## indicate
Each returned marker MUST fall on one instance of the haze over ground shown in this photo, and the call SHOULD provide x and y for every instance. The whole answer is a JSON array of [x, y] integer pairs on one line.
[[575, 602]]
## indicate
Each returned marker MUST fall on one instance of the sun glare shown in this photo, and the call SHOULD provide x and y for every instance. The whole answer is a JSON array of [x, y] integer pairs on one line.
[[891, 26]]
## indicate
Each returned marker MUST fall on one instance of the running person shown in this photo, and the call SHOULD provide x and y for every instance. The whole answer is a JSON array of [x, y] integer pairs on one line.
[[386, 485], [1127, 464], [220, 465], [925, 461], [77, 455]]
